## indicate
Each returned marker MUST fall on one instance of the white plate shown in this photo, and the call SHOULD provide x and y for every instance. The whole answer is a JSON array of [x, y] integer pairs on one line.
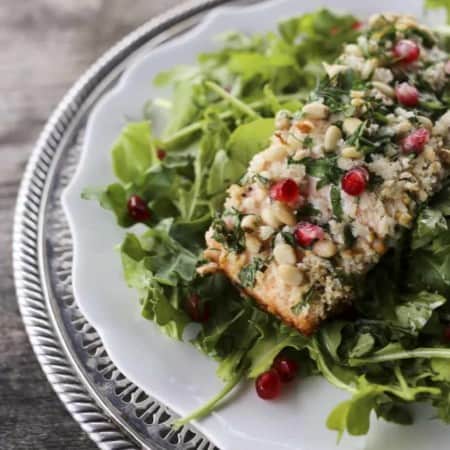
[[173, 372]]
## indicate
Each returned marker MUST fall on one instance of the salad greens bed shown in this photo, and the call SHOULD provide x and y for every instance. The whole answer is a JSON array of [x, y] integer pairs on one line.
[[388, 351]]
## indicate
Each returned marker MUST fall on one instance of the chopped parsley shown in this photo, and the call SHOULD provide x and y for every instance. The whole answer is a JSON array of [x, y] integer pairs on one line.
[[289, 238], [262, 180], [354, 139], [247, 276], [325, 169], [336, 204], [305, 301], [349, 239], [307, 211], [308, 142], [232, 238]]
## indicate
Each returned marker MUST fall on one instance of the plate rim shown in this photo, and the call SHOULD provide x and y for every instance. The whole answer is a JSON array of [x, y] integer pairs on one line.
[[87, 408]]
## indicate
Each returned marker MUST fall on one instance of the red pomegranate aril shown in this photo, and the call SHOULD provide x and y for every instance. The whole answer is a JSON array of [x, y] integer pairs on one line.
[[415, 141], [407, 94], [138, 209], [161, 154], [287, 368], [307, 233], [195, 310], [354, 182], [285, 191], [268, 385], [406, 51]]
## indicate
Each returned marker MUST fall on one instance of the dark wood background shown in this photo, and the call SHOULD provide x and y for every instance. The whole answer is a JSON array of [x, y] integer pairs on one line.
[[45, 45]]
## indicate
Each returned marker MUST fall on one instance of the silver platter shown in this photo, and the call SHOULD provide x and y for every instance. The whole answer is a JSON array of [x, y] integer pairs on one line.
[[114, 412]]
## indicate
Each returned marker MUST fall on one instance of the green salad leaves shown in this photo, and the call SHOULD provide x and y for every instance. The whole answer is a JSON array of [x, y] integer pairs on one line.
[[390, 352]]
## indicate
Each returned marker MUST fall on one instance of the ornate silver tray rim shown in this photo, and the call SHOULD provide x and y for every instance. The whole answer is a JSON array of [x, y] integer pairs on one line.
[[100, 415]]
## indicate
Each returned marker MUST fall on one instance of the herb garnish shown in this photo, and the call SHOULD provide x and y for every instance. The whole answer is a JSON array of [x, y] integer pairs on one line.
[[247, 275], [232, 238], [336, 204], [325, 169]]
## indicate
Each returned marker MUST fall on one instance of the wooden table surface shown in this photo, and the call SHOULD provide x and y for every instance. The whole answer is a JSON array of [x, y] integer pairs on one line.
[[45, 46]]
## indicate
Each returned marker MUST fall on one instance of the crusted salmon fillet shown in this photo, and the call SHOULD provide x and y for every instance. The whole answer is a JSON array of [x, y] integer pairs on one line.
[[341, 179]]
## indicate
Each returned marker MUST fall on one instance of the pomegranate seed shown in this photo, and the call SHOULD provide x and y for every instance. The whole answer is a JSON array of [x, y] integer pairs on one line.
[[138, 209], [415, 141], [161, 154], [286, 368], [286, 191], [407, 94], [446, 334], [306, 233], [407, 51], [195, 310], [268, 385], [354, 182]]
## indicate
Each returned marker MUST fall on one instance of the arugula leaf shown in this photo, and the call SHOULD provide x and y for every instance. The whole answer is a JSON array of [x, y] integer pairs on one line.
[[133, 152], [249, 139], [186, 106], [276, 338], [429, 224], [114, 198], [416, 310], [363, 346]]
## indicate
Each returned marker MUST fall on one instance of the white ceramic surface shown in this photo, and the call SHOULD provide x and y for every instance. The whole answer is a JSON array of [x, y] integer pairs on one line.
[[174, 372]]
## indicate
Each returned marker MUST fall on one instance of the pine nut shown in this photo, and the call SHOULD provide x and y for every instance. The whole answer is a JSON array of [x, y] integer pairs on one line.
[[429, 154], [379, 247], [249, 222], [212, 254], [384, 88], [403, 127], [404, 219], [351, 153], [332, 136], [284, 254], [356, 94], [425, 122], [284, 214], [357, 102], [268, 216], [444, 154], [305, 126], [353, 49], [316, 110], [333, 69], [324, 248], [404, 23], [274, 153], [252, 243], [350, 125], [290, 274], [368, 68], [265, 232]]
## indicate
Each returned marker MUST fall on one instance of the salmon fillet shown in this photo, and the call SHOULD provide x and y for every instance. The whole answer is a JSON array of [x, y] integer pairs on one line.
[[339, 181]]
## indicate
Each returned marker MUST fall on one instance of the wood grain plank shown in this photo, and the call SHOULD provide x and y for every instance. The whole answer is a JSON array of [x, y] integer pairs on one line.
[[46, 45]]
